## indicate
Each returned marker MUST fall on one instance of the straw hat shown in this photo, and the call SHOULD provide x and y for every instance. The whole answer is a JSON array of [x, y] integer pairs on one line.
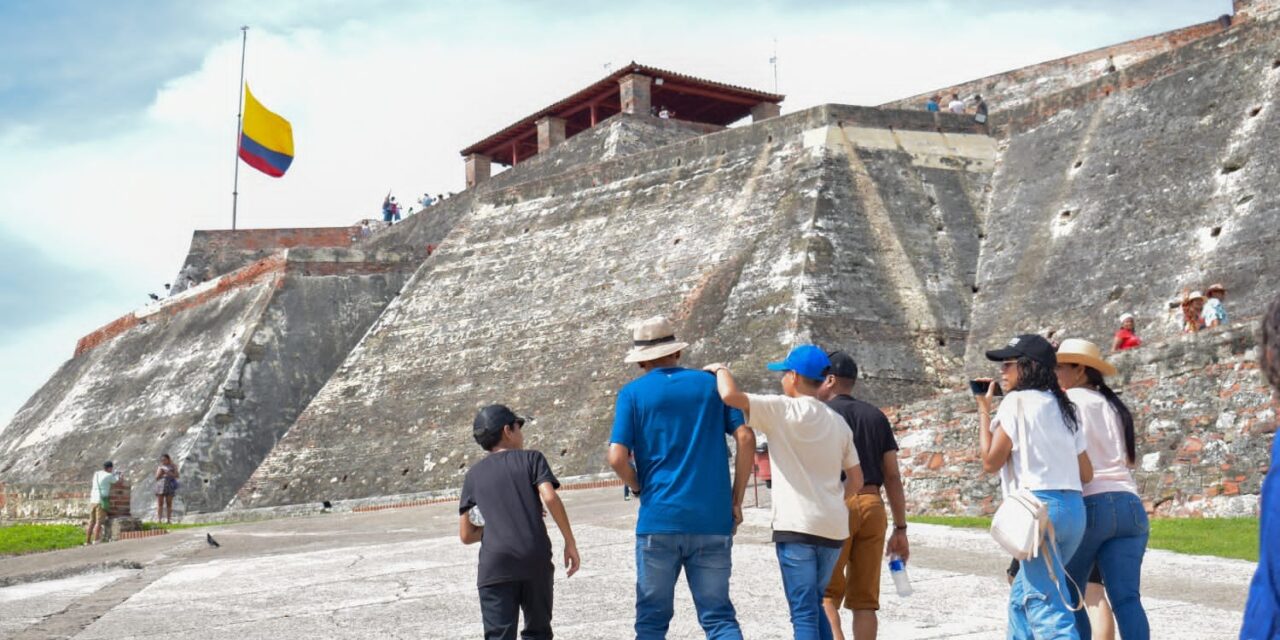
[[1077, 351], [1217, 286], [652, 339], [1194, 295]]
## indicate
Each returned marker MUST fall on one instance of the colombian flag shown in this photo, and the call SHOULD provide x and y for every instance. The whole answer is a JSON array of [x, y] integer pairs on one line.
[[266, 139]]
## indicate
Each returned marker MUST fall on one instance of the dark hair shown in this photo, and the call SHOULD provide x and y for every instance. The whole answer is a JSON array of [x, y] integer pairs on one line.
[[1126, 417], [488, 439], [165, 456], [1032, 375], [1270, 359]]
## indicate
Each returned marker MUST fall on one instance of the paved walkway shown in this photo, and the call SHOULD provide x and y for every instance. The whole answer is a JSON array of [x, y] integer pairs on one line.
[[403, 574]]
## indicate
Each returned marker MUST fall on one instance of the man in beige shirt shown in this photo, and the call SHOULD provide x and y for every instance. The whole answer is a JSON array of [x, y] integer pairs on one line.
[[809, 445]]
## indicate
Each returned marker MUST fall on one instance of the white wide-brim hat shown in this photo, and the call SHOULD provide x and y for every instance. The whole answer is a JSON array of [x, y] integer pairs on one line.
[[1077, 351], [652, 339]]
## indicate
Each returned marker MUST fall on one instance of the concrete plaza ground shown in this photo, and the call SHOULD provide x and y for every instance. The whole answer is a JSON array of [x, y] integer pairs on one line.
[[403, 574]]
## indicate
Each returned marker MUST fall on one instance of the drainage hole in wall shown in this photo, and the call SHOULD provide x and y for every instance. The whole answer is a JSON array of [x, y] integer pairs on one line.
[[1244, 199], [677, 241], [285, 486], [1253, 113], [1232, 166], [975, 288], [1077, 164], [1275, 64], [769, 139], [206, 481], [982, 236], [344, 479], [1215, 232], [462, 466], [1065, 214], [679, 161], [405, 472], [563, 452], [939, 227], [942, 342]]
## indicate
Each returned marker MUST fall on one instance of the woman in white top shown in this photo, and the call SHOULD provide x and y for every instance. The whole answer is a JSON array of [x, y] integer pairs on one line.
[[1115, 539], [1036, 407]]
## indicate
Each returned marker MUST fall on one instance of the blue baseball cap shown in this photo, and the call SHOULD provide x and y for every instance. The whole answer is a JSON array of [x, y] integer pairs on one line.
[[806, 360]]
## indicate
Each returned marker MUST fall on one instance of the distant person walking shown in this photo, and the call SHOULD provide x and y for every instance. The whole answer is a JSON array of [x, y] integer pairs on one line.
[[810, 445], [1037, 422], [501, 508], [931, 105], [1116, 531], [980, 112], [956, 105], [165, 488], [674, 423], [1126, 336], [1262, 610], [100, 499], [855, 582], [1214, 313]]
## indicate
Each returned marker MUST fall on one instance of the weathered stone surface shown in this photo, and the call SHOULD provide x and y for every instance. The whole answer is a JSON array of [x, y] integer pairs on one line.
[[528, 300], [213, 376]]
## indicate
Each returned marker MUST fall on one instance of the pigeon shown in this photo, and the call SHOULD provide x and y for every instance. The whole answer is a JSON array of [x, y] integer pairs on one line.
[[153, 296], [213, 543]]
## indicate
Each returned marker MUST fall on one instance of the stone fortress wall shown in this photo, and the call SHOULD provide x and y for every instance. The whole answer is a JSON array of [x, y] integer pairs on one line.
[[317, 367]]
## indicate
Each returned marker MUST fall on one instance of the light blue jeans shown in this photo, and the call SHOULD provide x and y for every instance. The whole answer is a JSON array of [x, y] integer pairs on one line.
[[1115, 540], [707, 561], [806, 570], [1037, 608]]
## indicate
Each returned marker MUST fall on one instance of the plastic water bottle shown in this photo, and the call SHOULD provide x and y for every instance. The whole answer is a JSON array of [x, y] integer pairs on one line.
[[898, 569], [473, 514]]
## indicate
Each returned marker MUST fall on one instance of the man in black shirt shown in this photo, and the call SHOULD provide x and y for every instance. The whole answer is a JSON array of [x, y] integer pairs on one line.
[[501, 507], [856, 579]]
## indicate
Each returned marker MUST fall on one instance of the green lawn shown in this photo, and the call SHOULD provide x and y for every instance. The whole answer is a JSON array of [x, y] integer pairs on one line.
[[1222, 537], [28, 538]]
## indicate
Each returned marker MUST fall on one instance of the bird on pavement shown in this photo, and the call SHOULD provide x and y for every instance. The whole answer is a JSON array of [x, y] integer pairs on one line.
[[213, 543]]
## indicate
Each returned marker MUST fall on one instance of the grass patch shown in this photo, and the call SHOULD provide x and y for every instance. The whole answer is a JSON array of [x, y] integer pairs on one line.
[[1222, 537], [30, 538]]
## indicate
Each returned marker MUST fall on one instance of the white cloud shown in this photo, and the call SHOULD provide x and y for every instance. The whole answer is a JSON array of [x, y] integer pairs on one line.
[[387, 100]]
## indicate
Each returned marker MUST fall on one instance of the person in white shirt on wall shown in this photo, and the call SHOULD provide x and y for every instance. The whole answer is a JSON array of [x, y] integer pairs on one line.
[[809, 445], [100, 500], [1057, 465]]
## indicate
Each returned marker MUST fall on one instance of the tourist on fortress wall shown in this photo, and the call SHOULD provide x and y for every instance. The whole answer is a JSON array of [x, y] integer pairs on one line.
[[100, 499], [1056, 469], [809, 447], [1192, 311], [856, 579], [980, 110], [675, 424], [1262, 610], [1126, 336], [932, 105], [956, 105], [1214, 314], [166, 487], [1116, 529], [501, 508]]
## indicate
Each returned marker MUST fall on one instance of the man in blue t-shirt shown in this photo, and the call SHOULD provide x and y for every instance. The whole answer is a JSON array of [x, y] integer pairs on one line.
[[1262, 611], [674, 423]]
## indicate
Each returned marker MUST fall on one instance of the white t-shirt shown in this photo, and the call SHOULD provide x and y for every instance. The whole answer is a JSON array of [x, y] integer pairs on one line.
[[956, 106], [1104, 435], [1052, 448], [101, 485], [809, 445]]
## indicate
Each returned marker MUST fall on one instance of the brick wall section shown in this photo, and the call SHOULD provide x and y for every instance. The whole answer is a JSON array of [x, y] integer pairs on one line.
[[1016, 87], [48, 502], [1204, 417], [119, 500]]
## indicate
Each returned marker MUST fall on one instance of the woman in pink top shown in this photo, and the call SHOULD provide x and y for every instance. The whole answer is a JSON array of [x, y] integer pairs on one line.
[[1115, 537]]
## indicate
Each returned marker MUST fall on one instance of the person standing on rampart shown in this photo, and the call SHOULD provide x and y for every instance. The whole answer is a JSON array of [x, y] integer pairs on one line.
[[1126, 337], [856, 578], [100, 500], [810, 446], [675, 424], [166, 487], [1262, 610], [956, 105], [1214, 314]]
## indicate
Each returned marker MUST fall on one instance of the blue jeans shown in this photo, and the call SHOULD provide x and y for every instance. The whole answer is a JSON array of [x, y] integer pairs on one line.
[[1037, 608], [707, 561], [1115, 540], [806, 570]]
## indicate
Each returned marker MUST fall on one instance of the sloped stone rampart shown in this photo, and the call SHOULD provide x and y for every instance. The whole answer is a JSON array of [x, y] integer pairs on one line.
[[1204, 417], [529, 300]]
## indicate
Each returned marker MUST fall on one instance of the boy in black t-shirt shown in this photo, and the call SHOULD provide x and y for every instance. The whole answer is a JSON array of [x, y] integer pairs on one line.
[[501, 507]]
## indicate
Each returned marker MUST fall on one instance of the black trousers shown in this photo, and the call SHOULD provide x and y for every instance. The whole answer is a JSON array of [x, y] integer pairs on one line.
[[500, 604]]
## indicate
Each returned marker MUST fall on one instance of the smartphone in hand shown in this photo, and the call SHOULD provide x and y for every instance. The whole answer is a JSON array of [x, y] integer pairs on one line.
[[979, 387]]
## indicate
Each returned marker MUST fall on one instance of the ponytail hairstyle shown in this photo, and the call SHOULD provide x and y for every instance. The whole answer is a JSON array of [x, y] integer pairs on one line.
[[1126, 417], [1033, 376]]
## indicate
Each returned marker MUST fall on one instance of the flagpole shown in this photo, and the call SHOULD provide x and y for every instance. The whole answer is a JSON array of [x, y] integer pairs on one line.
[[235, 189]]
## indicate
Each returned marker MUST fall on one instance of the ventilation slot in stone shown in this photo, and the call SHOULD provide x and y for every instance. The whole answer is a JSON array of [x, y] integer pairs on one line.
[[563, 452], [679, 161], [1275, 64], [975, 288], [1077, 164], [769, 139], [1253, 113], [1245, 199], [676, 241], [1215, 232], [942, 342], [1233, 165], [1065, 214]]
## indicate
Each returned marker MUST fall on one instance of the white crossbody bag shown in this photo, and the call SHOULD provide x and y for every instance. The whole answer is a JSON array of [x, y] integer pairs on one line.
[[1021, 524]]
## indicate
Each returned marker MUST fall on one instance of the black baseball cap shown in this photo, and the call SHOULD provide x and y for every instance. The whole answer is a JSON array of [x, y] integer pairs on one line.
[[107, 465], [493, 418], [842, 365], [1027, 345]]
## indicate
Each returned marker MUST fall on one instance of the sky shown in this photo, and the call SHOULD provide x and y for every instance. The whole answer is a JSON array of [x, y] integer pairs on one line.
[[117, 119]]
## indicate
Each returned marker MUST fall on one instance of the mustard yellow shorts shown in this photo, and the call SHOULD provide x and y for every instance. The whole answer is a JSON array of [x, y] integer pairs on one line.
[[856, 578]]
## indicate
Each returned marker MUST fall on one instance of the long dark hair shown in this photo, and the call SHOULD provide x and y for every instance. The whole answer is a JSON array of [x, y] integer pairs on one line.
[[1034, 376], [1126, 417], [1270, 359]]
